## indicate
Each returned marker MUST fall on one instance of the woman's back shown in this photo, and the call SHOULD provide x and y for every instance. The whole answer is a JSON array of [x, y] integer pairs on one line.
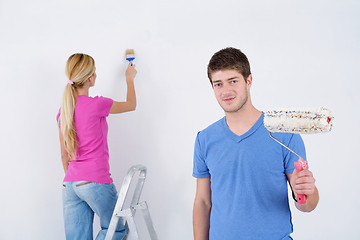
[[92, 158]]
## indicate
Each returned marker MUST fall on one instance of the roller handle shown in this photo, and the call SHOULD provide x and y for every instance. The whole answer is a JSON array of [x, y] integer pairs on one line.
[[299, 166]]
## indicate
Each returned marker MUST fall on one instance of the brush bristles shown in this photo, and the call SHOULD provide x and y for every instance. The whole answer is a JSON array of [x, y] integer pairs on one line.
[[312, 120], [129, 52]]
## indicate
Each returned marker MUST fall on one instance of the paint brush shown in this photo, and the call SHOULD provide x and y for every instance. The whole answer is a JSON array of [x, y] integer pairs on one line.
[[130, 55]]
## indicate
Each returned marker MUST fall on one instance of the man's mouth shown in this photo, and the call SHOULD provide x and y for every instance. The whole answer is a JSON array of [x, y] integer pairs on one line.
[[228, 99]]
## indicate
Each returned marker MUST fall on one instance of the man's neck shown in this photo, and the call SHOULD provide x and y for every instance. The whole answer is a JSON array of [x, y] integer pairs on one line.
[[241, 121]]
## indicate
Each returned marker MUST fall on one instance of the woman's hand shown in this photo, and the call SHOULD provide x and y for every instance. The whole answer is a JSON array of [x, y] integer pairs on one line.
[[130, 72]]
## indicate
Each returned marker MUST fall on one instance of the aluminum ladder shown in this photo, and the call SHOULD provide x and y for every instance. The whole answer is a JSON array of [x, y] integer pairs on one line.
[[129, 213]]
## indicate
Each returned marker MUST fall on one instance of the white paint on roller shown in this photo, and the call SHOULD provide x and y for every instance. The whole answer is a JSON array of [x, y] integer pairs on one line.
[[307, 120]]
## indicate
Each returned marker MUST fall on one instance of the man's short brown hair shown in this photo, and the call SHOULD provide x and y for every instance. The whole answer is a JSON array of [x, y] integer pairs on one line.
[[229, 59]]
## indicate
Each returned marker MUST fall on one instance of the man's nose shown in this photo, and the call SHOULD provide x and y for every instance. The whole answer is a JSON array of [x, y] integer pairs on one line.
[[226, 88]]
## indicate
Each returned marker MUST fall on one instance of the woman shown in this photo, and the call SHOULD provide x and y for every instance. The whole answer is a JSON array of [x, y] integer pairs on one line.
[[88, 187]]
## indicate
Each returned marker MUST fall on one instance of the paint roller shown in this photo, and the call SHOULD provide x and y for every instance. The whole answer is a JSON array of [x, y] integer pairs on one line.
[[311, 120]]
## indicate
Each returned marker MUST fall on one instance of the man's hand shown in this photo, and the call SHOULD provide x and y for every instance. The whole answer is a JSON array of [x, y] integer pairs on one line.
[[304, 183]]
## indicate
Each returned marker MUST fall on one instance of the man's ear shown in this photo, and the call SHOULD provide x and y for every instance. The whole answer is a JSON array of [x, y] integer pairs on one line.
[[249, 80]]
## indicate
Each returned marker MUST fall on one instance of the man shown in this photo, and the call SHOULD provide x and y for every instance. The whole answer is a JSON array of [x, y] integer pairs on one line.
[[241, 172]]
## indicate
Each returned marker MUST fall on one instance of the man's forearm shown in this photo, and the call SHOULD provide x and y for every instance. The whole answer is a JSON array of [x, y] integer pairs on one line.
[[201, 221]]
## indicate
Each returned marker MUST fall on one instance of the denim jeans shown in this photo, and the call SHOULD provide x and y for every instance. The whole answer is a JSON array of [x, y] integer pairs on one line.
[[81, 199]]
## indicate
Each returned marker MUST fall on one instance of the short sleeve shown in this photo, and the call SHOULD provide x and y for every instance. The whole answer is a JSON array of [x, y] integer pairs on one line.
[[296, 143], [200, 169], [103, 106]]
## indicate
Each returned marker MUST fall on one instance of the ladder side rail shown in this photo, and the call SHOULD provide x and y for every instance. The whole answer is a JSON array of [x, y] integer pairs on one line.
[[130, 221], [138, 190], [119, 206], [150, 226]]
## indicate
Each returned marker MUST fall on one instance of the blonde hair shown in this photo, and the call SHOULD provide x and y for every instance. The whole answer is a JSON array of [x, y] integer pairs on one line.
[[79, 68]]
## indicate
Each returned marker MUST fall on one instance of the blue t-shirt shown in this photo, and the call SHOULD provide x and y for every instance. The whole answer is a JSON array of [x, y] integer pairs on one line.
[[248, 180]]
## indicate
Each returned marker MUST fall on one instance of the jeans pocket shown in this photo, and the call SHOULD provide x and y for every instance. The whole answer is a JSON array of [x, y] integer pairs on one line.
[[82, 184]]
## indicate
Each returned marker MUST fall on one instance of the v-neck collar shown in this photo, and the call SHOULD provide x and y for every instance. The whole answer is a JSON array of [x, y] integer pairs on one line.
[[237, 138]]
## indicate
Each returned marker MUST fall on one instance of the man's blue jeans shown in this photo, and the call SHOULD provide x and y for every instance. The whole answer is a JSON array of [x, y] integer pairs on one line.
[[81, 199]]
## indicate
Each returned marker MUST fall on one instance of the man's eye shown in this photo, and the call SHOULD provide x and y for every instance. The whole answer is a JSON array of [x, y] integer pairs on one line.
[[217, 85]]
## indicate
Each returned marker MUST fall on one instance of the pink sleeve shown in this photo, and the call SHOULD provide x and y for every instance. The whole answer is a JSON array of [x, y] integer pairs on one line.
[[104, 106]]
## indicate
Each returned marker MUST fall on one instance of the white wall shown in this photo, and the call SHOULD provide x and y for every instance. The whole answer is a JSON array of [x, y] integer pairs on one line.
[[302, 53]]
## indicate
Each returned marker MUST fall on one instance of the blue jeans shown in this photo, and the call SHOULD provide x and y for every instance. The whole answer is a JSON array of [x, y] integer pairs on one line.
[[81, 199]]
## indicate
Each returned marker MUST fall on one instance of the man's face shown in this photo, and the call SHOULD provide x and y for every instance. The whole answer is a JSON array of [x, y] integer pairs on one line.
[[230, 89]]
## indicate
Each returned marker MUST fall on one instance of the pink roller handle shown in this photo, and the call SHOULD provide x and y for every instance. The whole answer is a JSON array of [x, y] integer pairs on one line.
[[299, 166]]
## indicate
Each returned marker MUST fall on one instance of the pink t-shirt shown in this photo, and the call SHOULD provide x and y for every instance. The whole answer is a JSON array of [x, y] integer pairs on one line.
[[92, 158]]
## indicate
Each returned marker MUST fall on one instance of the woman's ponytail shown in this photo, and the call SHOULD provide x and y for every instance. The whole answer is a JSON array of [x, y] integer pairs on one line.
[[67, 121]]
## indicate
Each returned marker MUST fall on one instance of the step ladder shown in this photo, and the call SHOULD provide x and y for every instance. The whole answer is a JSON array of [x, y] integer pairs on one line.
[[129, 213]]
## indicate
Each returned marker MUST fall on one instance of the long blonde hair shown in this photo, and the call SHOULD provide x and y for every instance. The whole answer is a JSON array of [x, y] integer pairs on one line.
[[79, 68]]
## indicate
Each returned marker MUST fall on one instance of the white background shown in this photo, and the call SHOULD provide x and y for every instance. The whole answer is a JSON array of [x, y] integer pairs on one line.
[[302, 53]]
